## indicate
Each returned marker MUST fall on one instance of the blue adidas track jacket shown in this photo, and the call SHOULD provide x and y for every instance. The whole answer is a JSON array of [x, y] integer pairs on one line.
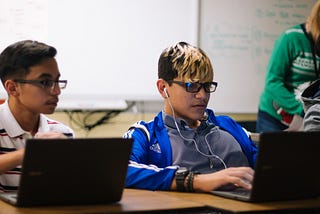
[[150, 164]]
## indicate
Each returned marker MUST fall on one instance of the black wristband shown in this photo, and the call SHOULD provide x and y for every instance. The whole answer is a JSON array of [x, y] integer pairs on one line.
[[190, 179], [189, 182]]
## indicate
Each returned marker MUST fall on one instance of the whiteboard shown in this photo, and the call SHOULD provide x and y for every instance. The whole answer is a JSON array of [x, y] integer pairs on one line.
[[107, 49], [239, 37]]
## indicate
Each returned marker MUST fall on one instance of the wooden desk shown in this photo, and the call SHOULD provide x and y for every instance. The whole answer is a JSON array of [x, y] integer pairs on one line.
[[233, 206], [132, 201], [140, 201]]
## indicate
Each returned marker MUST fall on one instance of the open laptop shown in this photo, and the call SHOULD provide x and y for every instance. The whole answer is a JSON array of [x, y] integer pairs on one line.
[[72, 171], [287, 168]]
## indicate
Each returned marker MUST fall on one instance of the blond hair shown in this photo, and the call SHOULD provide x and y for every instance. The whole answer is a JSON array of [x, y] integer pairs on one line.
[[313, 22], [186, 62]]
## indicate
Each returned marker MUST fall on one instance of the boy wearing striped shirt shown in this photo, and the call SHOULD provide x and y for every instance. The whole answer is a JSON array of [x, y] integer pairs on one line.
[[30, 75]]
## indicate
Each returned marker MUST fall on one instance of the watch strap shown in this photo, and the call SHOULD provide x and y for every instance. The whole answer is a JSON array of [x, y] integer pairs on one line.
[[180, 179]]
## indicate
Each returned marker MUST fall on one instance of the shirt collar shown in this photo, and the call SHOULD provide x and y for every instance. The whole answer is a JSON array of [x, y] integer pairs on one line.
[[11, 125], [9, 122]]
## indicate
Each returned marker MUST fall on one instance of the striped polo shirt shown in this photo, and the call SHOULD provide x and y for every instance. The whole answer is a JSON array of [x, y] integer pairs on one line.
[[12, 138]]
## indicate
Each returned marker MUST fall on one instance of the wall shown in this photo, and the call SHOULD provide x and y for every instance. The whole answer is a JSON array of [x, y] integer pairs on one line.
[[115, 127], [108, 49]]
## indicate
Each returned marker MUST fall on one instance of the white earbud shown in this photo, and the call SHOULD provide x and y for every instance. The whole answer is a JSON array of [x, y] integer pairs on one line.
[[165, 91]]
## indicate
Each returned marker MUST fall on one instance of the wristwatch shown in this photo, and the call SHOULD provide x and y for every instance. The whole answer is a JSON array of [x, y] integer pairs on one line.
[[181, 175]]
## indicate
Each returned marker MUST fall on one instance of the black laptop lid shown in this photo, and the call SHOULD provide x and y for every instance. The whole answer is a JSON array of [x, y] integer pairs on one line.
[[74, 171], [287, 166]]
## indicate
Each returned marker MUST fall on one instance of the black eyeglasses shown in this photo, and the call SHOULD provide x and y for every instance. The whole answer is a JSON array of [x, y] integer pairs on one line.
[[45, 84], [195, 87]]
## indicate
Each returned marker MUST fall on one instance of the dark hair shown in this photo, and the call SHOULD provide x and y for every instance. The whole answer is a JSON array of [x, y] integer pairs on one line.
[[17, 58], [185, 61]]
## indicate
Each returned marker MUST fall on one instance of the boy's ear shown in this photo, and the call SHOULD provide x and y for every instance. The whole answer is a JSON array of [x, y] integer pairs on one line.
[[11, 87], [161, 85]]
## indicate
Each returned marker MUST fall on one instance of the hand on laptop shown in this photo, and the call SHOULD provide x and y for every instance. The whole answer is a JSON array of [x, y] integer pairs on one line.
[[238, 176], [50, 135]]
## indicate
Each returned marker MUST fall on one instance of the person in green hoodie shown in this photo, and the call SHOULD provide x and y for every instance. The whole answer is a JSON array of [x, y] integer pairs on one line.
[[293, 65]]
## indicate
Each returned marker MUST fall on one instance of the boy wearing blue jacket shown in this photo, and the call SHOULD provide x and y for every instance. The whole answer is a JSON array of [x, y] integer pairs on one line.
[[186, 147]]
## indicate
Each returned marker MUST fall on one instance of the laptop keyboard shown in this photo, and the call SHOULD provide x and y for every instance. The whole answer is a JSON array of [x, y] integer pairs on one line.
[[241, 191]]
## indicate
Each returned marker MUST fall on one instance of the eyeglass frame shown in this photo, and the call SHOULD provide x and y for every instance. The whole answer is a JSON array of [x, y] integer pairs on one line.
[[202, 85], [51, 84]]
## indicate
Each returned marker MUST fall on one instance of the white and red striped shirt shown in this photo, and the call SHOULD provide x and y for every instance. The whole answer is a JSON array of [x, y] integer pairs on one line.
[[12, 138]]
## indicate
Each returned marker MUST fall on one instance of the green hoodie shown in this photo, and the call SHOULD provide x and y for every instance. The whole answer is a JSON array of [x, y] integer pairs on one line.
[[290, 70]]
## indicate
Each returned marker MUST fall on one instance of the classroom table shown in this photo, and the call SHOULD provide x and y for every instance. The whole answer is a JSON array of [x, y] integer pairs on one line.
[[132, 201], [225, 205], [144, 201]]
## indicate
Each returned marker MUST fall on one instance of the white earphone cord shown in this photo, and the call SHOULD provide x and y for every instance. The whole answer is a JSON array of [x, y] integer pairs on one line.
[[194, 142]]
